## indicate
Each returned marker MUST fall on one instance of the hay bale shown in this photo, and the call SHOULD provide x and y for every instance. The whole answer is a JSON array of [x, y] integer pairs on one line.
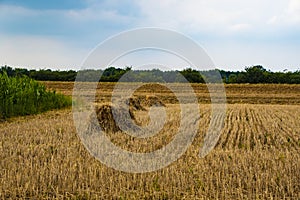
[[105, 117], [153, 101], [139, 103], [135, 104]]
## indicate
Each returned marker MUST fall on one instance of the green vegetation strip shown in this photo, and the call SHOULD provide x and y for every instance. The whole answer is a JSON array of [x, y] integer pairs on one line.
[[254, 74], [23, 96]]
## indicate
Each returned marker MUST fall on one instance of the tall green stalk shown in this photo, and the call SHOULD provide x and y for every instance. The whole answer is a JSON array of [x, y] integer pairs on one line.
[[24, 96]]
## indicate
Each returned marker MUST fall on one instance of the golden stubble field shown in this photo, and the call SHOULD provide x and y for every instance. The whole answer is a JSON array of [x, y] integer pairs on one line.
[[256, 157]]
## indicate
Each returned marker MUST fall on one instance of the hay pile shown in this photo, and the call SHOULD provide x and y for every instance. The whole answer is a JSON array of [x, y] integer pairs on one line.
[[135, 103], [153, 101], [105, 117]]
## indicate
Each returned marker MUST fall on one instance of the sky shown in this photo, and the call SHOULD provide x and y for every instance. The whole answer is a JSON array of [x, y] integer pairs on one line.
[[60, 34]]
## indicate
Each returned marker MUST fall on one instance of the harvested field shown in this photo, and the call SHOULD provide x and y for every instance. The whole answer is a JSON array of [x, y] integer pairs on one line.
[[256, 157], [236, 93]]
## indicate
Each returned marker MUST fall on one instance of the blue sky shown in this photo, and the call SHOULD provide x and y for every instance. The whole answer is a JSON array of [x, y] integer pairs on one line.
[[59, 34]]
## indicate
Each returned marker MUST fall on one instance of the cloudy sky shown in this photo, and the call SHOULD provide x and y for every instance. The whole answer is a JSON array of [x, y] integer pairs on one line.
[[59, 34]]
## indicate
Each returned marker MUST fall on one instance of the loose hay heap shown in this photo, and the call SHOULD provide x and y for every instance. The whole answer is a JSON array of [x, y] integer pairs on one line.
[[153, 101], [105, 117], [106, 120], [135, 103], [143, 102]]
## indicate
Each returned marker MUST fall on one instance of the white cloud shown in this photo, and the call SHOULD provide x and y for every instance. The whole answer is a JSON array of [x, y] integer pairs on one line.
[[39, 52], [94, 12], [218, 17], [240, 27], [290, 15], [219, 20], [97, 14], [14, 10], [35, 48], [236, 56]]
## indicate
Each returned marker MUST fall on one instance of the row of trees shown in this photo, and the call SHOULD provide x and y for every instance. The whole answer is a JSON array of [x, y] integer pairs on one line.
[[258, 74], [41, 75], [254, 74]]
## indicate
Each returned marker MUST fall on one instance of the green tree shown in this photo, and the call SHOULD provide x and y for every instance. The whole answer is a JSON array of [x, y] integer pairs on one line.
[[255, 74], [193, 76]]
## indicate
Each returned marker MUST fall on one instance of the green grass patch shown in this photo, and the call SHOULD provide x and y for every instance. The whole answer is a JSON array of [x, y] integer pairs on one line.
[[25, 96]]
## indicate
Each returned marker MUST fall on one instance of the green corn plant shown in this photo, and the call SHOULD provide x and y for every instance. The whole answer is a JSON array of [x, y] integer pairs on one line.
[[24, 96]]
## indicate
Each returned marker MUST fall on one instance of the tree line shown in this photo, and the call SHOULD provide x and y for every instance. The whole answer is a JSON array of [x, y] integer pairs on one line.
[[253, 74]]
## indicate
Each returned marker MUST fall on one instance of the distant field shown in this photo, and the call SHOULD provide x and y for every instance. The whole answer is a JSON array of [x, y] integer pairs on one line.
[[236, 93], [256, 157]]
